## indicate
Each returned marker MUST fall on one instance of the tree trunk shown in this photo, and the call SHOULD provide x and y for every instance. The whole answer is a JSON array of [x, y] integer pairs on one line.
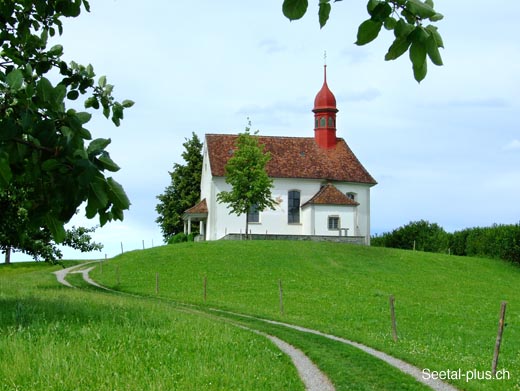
[[8, 255], [247, 228]]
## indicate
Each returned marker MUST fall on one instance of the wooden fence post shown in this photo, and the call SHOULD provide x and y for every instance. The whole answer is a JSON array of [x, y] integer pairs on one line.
[[392, 314], [122, 248], [280, 289], [499, 337]]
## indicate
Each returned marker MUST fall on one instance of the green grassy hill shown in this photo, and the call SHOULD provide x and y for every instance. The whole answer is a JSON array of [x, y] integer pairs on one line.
[[447, 307], [54, 338]]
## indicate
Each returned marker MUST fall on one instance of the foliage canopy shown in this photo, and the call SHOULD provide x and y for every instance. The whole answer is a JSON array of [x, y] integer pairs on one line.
[[246, 173], [46, 153], [183, 191], [406, 18]]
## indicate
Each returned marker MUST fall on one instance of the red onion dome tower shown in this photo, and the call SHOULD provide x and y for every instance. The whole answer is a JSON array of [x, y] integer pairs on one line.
[[325, 115]]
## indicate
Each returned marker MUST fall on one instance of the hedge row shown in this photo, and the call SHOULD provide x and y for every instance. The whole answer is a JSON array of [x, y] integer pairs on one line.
[[498, 241]]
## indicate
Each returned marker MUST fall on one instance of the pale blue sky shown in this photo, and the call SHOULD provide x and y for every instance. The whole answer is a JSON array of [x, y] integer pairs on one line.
[[447, 150]]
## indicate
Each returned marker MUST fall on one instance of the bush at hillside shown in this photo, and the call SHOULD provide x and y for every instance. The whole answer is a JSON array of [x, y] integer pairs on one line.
[[498, 241], [426, 236]]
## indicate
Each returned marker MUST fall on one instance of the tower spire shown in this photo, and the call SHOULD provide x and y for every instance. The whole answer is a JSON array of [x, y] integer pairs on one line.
[[325, 114]]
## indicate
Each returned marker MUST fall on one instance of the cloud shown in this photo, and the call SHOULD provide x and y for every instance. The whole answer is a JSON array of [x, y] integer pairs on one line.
[[271, 46], [366, 95], [513, 145]]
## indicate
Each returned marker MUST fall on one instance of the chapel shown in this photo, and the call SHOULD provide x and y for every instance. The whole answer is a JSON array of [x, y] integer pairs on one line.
[[321, 189]]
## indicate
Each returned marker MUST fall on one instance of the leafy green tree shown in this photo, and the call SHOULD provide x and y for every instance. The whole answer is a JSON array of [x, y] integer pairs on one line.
[[406, 18], [246, 173], [427, 237], [45, 149], [184, 190]]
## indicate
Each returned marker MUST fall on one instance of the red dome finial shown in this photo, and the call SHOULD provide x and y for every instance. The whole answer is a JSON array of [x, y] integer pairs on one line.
[[325, 99]]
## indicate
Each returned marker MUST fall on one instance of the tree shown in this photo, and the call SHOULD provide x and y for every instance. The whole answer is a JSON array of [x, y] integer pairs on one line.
[[406, 18], [246, 173], [17, 233], [184, 190], [421, 235], [43, 145]]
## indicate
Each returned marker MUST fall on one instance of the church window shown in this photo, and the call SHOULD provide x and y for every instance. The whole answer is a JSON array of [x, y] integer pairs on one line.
[[316, 123], [323, 122], [253, 216], [293, 211], [331, 122], [334, 223], [352, 196]]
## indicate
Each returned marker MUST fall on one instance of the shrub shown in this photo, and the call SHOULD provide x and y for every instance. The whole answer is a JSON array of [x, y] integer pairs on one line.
[[427, 237], [178, 238]]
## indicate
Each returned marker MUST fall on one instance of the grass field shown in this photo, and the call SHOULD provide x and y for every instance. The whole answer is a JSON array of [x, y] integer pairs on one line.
[[57, 338], [447, 307]]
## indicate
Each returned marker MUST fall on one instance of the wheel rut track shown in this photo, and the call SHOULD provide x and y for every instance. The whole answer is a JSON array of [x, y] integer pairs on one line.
[[310, 374]]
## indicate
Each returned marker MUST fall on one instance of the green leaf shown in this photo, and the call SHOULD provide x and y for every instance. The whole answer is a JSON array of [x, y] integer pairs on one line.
[[390, 23], [56, 228], [45, 90], [98, 145], [294, 9], [119, 197], [433, 51], [324, 12], [418, 53], [434, 31], [419, 71], [5, 170], [398, 48], [117, 213], [108, 163], [371, 6], [102, 81], [436, 17], [73, 95], [420, 9], [381, 12], [56, 50], [127, 103], [368, 31], [14, 79], [50, 165], [83, 117], [403, 29], [99, 188]]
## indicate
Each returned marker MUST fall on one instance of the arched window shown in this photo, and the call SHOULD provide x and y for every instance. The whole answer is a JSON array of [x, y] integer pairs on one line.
[[331, 122], [253, 216], [316, 123], [323, 122], [293, 210]]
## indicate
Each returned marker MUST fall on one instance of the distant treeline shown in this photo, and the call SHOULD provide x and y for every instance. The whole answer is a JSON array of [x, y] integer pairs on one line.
[[498, 241]]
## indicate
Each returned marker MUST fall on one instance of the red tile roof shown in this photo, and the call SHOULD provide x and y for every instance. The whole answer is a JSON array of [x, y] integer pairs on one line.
[[330, 195], [294, 157], [199, 208]]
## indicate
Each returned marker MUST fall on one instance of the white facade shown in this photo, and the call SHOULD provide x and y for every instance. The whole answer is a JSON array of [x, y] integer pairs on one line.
[[314, 218]]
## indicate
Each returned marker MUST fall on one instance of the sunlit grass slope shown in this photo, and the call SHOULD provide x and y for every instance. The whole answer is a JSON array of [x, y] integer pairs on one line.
[[57, 338], [447, 307]]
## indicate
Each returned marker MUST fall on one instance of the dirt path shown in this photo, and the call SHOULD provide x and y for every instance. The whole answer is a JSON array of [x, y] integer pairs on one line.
[[310, 374], [299, 359]]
